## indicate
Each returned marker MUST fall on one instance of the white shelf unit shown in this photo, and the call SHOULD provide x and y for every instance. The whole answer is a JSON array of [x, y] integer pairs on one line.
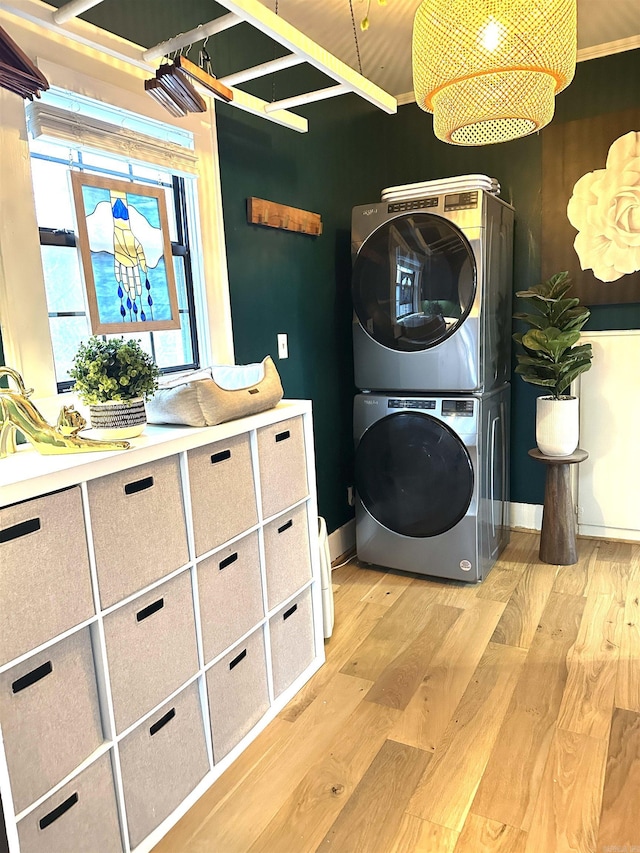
[[198, 657]]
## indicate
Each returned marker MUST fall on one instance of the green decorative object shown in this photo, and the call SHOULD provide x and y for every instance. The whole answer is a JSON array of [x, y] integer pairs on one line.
[[551, 357], [115, 377], [115, 370]]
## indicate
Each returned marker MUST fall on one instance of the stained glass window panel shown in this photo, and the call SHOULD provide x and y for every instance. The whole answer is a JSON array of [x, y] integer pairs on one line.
[[126, 255]]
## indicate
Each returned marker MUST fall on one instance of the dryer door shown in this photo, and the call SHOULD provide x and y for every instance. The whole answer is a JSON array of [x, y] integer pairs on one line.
[[414, 282], [413, 474]]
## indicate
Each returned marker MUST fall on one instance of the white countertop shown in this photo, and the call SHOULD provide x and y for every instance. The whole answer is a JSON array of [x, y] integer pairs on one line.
[[27, 474]]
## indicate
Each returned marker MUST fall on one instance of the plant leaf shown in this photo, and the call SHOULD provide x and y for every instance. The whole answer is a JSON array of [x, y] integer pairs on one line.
[[538, 321], [571, 375], [532, 380]]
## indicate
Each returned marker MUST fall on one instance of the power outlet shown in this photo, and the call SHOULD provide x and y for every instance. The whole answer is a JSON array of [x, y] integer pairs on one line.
[[283, 346]]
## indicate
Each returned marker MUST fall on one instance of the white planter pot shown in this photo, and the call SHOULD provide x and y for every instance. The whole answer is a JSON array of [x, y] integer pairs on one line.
[[114, 420], [557, 425]]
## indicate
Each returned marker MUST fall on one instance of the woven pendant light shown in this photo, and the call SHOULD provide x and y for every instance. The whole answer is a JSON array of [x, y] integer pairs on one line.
[[488, 70]]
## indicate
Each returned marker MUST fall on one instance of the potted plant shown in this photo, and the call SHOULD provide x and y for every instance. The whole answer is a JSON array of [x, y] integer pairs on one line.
[[114, 377], [553, 358]]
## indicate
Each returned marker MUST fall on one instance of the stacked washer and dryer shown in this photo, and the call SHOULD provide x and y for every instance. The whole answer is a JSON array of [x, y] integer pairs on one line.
[[432, 286]]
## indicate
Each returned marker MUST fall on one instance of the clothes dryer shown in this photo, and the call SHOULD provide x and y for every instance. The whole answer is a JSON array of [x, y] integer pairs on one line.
[[432, 482], [432, 281]]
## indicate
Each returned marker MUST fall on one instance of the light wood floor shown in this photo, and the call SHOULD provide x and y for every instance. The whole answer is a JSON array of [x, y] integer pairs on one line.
[[496, 718]]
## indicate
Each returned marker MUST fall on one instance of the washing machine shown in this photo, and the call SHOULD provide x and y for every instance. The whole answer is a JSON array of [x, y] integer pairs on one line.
[[432, 482], [432, 286]]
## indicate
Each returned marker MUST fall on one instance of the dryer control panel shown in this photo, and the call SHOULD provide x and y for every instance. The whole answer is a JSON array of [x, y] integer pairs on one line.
[[461, 201], [414, 204]]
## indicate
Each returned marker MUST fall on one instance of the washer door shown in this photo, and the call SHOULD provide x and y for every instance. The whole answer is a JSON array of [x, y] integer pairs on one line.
[[413, 474], [414, 282]]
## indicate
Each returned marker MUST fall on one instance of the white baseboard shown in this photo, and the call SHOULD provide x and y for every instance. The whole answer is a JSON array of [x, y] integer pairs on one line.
[[525, 516], [342, 540], [609, 532]]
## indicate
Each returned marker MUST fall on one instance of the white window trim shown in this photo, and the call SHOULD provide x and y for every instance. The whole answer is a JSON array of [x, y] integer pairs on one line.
[[23, 307], [71, 126]]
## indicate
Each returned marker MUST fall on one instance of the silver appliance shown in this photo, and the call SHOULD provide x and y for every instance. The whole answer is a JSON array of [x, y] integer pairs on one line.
[[432, 281], [432, 482]]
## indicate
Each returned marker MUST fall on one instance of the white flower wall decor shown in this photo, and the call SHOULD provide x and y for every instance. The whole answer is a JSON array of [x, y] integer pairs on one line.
[[605, 209]]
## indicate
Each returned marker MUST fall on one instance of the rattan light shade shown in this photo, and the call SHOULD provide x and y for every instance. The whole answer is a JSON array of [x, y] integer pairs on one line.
[[488, 70]]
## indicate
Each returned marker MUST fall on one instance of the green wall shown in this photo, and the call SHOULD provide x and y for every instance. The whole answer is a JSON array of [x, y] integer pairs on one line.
[[286, 282]]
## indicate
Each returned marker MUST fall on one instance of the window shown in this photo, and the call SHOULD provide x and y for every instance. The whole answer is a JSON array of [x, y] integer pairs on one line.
[[66, 301], [100, 108]]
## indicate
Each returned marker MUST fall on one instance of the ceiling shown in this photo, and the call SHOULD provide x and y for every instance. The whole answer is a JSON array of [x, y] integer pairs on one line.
[[385, 48]]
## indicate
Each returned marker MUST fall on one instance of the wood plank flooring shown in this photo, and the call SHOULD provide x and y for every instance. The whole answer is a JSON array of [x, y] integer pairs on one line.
[[502, 717]]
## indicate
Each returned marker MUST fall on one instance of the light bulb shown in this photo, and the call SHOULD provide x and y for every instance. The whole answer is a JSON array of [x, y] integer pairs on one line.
[[491, 35]]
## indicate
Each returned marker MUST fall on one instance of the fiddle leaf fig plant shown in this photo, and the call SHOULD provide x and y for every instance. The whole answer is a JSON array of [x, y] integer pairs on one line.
[[550, 357], [113, 370]]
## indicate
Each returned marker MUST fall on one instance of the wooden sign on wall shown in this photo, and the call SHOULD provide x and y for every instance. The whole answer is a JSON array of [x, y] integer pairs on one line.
[[569, 151], [274, 215]]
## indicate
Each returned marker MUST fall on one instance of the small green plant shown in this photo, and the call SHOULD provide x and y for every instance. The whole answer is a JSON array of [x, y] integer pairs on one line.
[[113, 370], [550, 357]]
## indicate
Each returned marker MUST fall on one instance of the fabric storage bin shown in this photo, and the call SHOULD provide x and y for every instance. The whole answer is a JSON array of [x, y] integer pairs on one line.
[[283, 470], [45, 584], [287, 555], [138, 524], [223, 502], [238, 693], [230, 593], [292, 643], [151, 648], [162, 761], [81, 817], [50, 716]]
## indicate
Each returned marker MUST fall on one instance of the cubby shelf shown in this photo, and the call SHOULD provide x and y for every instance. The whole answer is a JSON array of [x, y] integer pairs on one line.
[[198, 617]]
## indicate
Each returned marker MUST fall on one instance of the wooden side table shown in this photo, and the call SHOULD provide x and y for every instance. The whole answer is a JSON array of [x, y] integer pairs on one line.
[[558, 534]]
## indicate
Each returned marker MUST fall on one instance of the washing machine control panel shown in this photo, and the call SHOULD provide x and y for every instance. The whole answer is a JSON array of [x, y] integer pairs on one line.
[[413, 204], [460, 408], [411, 404]]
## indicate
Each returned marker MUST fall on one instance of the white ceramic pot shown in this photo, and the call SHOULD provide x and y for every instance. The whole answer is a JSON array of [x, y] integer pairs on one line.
[[557, 425], [116, 420]]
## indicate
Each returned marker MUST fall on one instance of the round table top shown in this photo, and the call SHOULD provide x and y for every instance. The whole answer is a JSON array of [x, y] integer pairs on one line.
[[578, 455]]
